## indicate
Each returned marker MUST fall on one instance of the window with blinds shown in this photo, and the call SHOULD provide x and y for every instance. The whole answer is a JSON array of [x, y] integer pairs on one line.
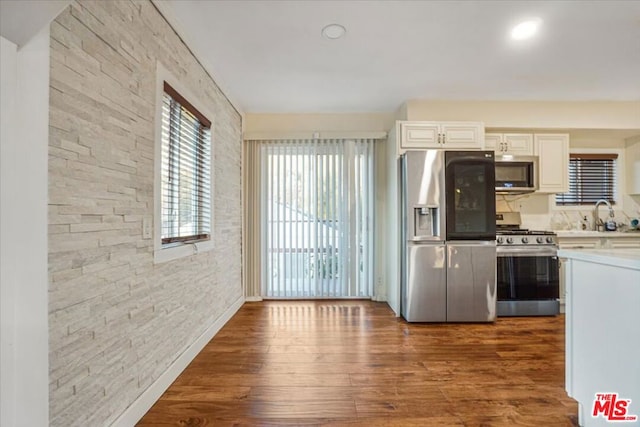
[[591, 177], [185, 171]]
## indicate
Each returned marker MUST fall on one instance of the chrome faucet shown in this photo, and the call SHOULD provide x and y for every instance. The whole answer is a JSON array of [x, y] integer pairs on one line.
[[596, 215]]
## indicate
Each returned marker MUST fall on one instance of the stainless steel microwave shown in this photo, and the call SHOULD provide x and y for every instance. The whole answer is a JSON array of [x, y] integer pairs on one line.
[[516, 174]]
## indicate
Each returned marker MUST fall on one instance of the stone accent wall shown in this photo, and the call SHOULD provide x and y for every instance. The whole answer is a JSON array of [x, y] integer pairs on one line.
[[116, 319]]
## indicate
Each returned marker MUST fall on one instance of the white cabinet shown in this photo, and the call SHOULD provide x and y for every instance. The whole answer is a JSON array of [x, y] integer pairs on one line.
[[442, 135], [597, 240], [572, 243], [625, 243], [509, 143], [632, 165], [553, 162], [420, 135]]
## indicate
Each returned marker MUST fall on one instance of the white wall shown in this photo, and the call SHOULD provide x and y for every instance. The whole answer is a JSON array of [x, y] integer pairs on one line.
[[23, 214], [257, 126], [529, 114], [392, 218], [8, 79]]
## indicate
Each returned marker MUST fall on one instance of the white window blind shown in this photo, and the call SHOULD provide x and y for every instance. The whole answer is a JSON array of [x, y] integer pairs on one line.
[[186, 171], [591, 177], [317, 216]]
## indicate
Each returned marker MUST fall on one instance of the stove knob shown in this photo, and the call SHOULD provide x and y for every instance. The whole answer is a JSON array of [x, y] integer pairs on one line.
[[539, 239], [500, 239], [549, 239], [509, 239], [525, 240]]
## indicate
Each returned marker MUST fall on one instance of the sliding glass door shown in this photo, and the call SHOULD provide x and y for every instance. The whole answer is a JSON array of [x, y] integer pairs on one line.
[[317, 209]]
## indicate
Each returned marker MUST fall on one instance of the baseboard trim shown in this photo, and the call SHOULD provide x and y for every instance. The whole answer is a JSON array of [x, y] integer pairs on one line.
[[253, 299], [142, 404]]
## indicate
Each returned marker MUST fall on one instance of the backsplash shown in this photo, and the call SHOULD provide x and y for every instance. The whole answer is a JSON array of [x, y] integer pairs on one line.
[[538, 211]]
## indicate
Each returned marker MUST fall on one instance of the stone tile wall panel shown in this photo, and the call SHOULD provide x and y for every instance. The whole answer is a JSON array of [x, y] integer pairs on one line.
[[116, 319]]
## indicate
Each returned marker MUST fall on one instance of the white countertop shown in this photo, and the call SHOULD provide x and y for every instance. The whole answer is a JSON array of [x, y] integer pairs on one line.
[[605, 234], [622, 257]]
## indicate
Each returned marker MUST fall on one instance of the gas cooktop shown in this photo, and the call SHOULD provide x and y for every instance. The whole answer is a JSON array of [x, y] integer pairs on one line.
[[510, 233], [524, 231]]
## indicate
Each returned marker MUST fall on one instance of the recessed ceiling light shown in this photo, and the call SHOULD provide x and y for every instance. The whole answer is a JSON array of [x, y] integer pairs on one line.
[[333, 31], [526, 29]]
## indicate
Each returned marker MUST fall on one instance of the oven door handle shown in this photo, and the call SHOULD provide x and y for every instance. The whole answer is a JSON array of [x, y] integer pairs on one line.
[[526, 251]]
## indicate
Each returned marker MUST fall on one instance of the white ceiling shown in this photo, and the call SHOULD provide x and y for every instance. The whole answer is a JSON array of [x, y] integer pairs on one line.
[[22, 19], [269, 56]]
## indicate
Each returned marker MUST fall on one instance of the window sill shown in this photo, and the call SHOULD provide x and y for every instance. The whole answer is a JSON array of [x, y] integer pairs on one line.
[[177, 251]]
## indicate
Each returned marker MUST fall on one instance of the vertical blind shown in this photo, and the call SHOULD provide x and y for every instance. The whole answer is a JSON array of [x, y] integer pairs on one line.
[[591, 177], [186, 171], [316, 218]]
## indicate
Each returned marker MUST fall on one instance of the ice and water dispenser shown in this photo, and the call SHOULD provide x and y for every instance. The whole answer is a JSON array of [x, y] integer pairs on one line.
[[426, 222]]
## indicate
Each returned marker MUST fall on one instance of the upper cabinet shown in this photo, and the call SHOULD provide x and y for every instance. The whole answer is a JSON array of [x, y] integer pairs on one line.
[[632, 166], [553, 162], [442, 135], [509, 143]]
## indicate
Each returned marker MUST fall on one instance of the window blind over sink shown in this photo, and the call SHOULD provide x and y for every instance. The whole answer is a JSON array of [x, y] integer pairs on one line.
[[591, 177]]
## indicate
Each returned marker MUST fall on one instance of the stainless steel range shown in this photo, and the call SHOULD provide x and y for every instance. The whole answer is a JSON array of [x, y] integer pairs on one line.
[[528, 277]]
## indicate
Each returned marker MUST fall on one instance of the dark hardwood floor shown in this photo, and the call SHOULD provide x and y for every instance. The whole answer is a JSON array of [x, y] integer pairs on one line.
[[354, 363]]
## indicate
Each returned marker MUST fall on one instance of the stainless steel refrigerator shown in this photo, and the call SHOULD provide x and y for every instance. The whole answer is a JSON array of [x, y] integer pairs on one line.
[[449, 236]]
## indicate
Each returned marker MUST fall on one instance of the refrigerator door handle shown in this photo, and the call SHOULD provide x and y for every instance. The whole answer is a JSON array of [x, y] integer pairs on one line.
[[425, 241], [472, 242]]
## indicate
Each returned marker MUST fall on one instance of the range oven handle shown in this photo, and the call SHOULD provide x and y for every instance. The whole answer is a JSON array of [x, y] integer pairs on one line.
[[512, 251]]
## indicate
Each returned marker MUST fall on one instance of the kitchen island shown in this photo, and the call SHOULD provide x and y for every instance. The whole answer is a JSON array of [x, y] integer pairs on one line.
[[602, 331], [573, 239]]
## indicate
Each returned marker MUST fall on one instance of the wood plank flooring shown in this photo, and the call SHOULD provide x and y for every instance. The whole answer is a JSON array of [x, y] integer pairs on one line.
[[354, 363]]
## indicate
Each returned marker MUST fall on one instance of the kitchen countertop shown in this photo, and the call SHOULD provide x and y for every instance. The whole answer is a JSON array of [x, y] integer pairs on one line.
[[623, 257], [605, 234]]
